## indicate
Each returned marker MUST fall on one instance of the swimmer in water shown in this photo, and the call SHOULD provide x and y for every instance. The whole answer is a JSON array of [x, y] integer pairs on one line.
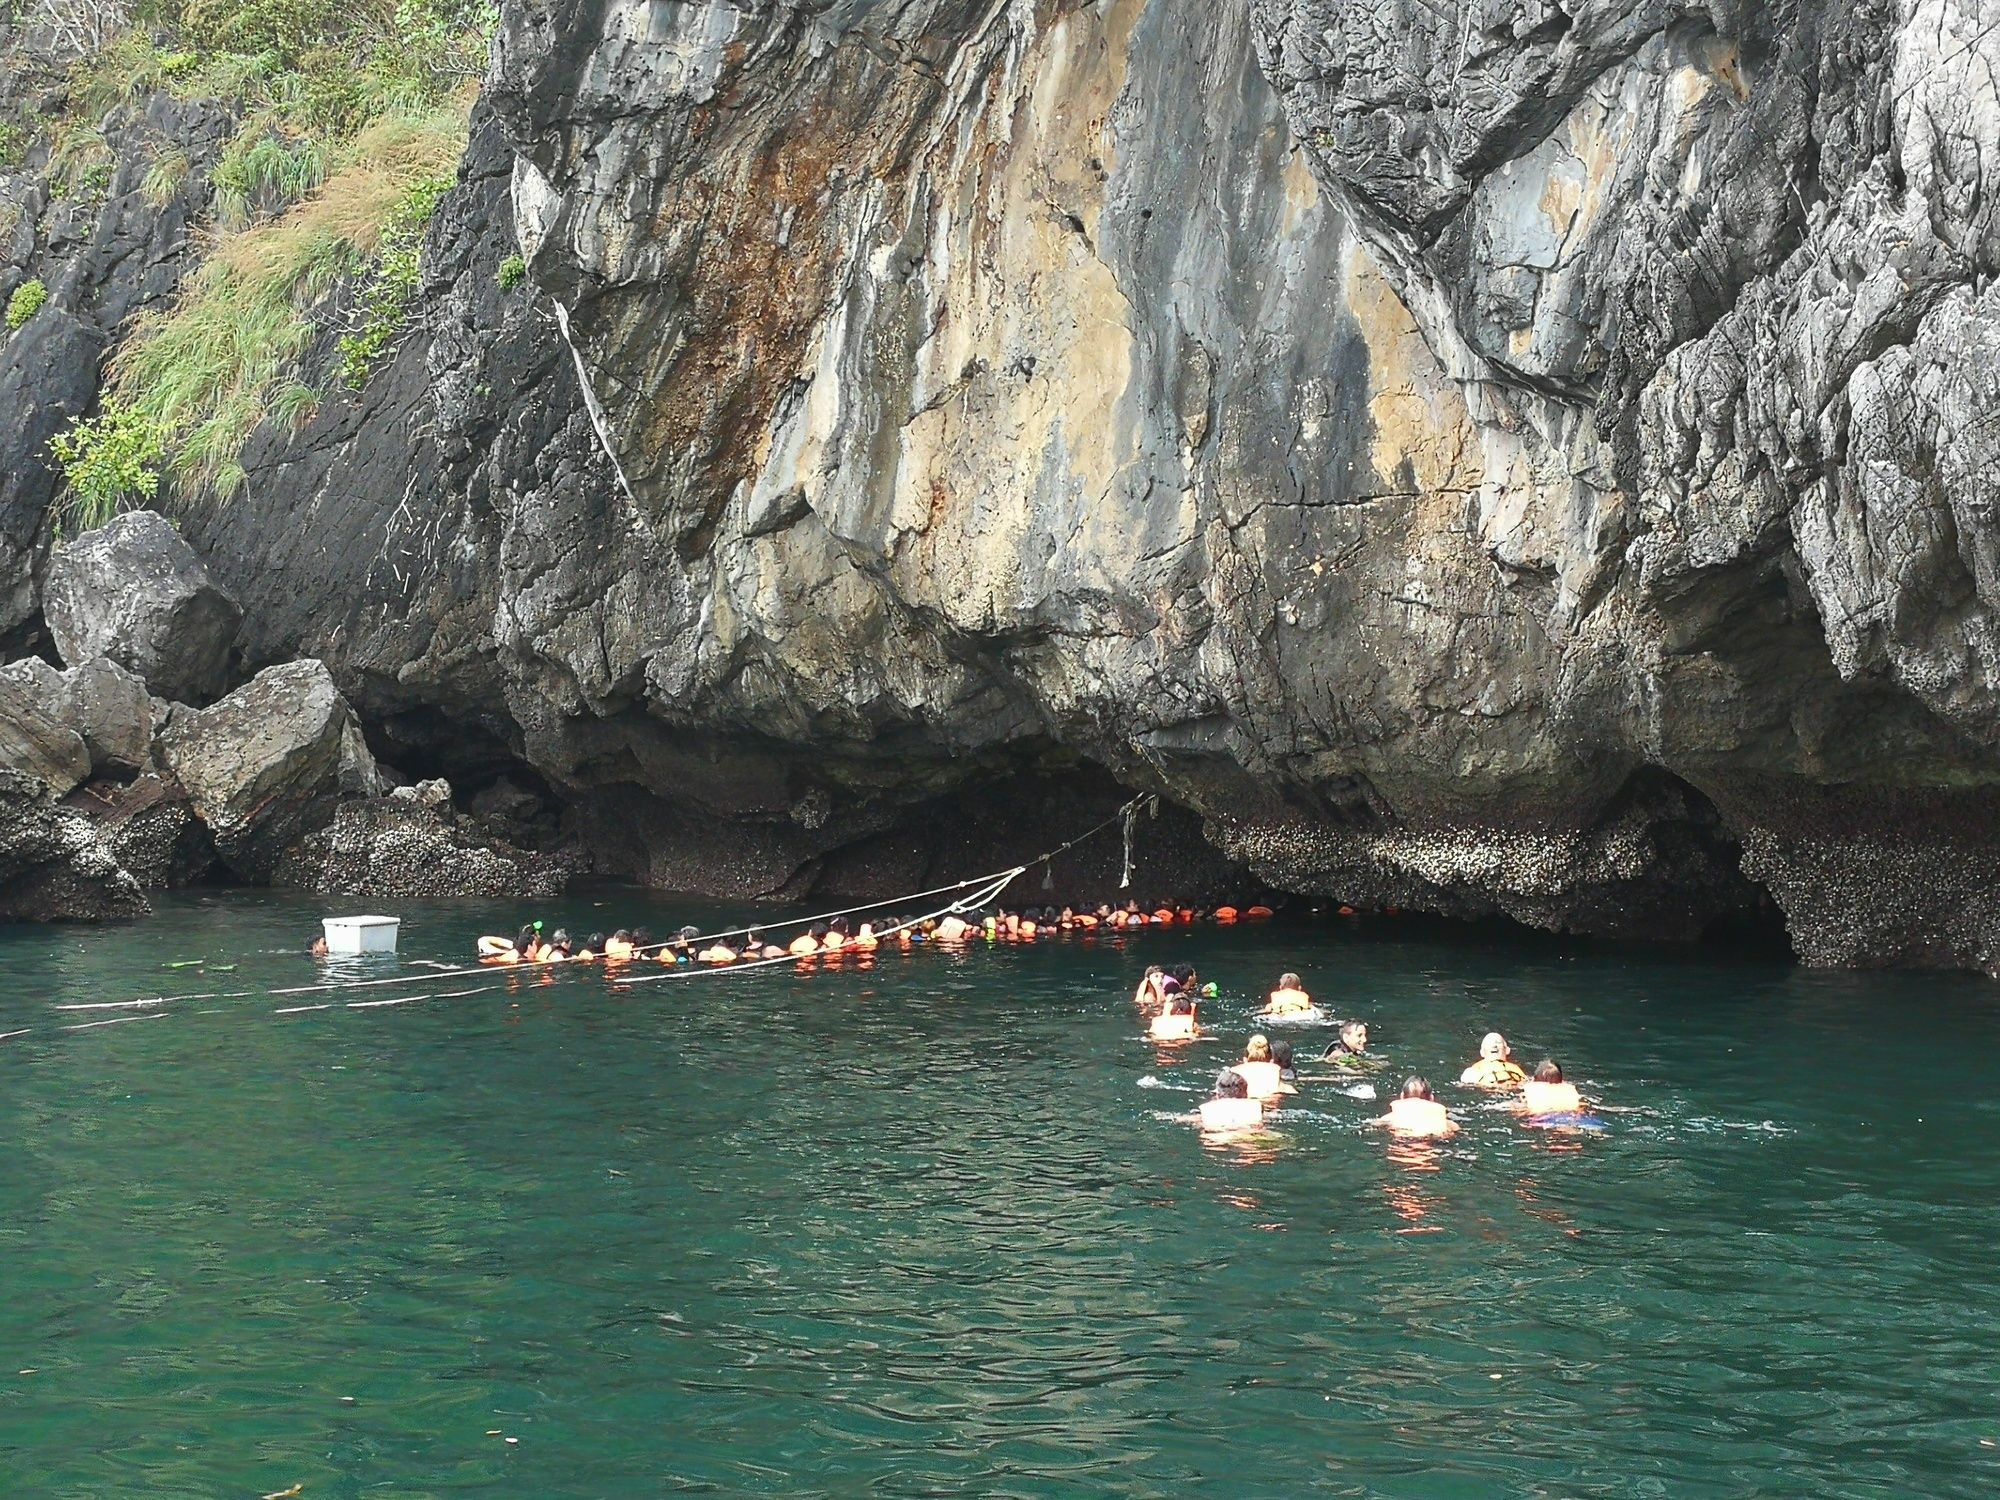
[[1288, 1074], [1150, 996], [1176, 1022], [1352, 1048], [1496, 1068], [718, 952], [560, 947], [317, 947], [1547, 1094], [953, 929], [1416, 1112], [1231, 1108], [1289, 998], [593, 948], [1259, 1072]]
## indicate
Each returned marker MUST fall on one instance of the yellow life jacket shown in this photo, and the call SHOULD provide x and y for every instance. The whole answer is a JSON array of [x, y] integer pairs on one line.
[[1418, 1117]]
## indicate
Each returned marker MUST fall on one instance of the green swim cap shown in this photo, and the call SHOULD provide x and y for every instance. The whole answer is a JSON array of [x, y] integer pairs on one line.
[[538, 927], [1209, 990]]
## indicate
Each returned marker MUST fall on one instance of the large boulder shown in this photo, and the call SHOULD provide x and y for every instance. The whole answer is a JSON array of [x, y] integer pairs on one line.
[[410, 845], [34, 739], [102, 704], [150, 828], [54, 865], [134, 591], [267, 765]]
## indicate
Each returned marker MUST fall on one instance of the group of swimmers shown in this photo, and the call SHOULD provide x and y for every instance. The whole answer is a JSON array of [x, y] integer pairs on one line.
[[839, 935], [1268, 1073]]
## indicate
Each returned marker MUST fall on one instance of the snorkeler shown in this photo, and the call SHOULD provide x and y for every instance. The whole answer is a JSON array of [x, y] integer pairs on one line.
[[1351, 1049], [1496, 1068], [1416, 1112], [1259, 1072], [559, 947], [1547, 1094], [1231, 1108], [1289, 998]]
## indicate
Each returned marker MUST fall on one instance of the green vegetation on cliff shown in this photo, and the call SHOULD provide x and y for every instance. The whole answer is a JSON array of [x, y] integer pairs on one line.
[[351, 121]]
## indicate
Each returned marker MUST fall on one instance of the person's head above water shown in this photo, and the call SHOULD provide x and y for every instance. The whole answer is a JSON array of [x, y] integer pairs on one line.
[[595, 942], [1354, 1035], [1415, 1088], [1549, 1072], [1230, 1084], [1493, 1045], [821, 931], [1281, 1054], [1289, 981], [560, 939], [526, 939], [689, 933], [1258, 1049], [622, 935]]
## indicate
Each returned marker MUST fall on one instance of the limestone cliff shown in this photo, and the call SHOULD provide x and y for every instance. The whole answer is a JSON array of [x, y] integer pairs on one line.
[[1491, 456]]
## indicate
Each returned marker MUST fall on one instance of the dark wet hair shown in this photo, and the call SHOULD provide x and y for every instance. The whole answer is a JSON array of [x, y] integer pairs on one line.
[[622, 935], [1289, 981], [525, 940], [1550, 1071], [752, 940], [820, 930], [839, 925], [1415, 1088], [642, 937], [689, 932], [1230, 1084], [1281, 1054], [595, 942], [1183, 972]]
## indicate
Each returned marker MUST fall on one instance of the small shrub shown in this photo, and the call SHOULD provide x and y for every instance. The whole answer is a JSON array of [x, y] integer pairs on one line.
[[258, 165], [164, 177], [385, 304], [108, 461], [25, 303], [513, 270], [13, 144]]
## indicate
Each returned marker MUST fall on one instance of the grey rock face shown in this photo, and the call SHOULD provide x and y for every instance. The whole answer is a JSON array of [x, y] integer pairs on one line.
[[53, 865], [35, 740], [409, 848], [151, 830], [263, 768], [134, 592], [1524, 457]]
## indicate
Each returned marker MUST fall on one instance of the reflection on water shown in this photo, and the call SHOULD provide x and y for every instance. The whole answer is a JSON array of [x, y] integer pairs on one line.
[[941, 1223]]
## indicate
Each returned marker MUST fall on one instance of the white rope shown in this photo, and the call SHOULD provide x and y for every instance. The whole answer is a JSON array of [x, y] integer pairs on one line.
[[690, 970], [983, 888]]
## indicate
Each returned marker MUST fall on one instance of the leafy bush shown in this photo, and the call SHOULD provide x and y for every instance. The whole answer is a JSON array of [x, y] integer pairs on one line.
[[513, 270], [13, 144], [25, 303], [108, 461], [385, 304]]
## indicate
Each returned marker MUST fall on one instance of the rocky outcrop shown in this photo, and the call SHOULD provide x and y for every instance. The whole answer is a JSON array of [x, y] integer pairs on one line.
[[151, 829], [53, 865], [35, 741], [267, 765], [133, 592], [1525, 458], [411, 844]]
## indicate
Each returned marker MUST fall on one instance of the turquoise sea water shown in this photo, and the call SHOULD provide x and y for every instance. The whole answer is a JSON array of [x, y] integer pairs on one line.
[[935, 1227]]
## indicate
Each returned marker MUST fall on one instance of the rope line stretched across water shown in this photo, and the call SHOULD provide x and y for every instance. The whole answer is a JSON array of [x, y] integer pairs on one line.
[[983, 888]]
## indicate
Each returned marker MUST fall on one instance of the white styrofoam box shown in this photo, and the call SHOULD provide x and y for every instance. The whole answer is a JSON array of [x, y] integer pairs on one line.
[[361, 934]]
